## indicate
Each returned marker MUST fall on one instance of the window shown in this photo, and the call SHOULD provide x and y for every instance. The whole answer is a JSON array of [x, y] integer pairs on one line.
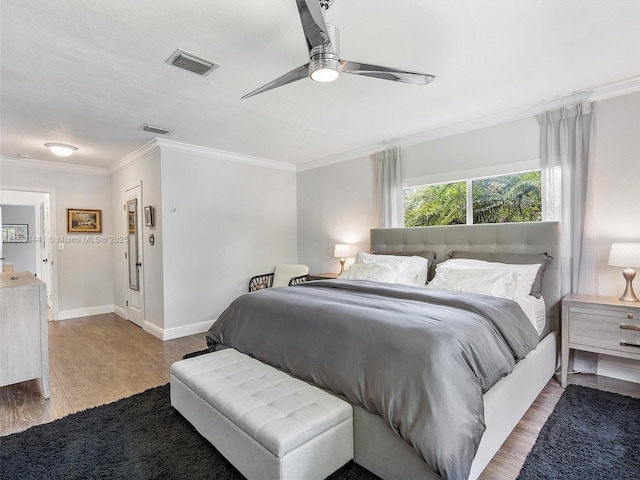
[[500, 199]]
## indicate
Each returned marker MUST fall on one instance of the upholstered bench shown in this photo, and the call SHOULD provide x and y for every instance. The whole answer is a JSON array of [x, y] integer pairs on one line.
[[266, 423]]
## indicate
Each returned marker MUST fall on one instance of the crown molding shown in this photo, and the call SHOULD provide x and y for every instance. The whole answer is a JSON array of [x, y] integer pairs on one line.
[[144, 151], [187, 148], [341, 157], [602, 92], [56, 166]]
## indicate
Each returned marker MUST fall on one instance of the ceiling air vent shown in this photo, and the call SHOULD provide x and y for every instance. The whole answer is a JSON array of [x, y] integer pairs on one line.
[[156, 129], [192, 62]]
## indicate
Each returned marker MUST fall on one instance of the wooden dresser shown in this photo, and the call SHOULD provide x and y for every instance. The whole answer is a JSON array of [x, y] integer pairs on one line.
[[599, 324], [24, 342]]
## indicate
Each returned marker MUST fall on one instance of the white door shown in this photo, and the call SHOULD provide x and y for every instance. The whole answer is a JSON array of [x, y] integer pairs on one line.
[[45, 248], [133, 255]]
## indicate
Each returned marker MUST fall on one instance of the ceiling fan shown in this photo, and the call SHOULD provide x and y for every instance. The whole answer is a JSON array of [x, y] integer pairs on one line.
[[325, 64]]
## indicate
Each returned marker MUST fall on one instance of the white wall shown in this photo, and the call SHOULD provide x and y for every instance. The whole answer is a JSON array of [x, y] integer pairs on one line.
[[22, 255], [83, 269], [336, 204], [505, 148], [615, 180], [222, 222]]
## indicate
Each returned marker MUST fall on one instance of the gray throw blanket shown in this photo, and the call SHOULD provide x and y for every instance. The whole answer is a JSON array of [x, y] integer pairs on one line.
[[419, 358]]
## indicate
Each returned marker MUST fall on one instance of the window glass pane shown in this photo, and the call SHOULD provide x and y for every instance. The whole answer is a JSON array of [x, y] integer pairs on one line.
[[507, 198], [443, 204]]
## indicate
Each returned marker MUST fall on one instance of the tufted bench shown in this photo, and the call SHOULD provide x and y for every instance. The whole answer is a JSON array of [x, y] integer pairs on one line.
[[266, 423]]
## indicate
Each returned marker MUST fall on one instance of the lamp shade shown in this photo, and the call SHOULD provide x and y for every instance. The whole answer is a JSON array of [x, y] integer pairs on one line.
[[342, 250], [625, 255]]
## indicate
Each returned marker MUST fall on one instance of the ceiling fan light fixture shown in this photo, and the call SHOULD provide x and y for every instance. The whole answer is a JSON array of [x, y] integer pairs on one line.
[[324, 64], [61, 149], [324, 73]]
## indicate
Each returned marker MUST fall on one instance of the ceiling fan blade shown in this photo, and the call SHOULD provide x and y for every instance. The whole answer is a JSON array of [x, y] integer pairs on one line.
[[315, 30], [290, 77], [385, 73]]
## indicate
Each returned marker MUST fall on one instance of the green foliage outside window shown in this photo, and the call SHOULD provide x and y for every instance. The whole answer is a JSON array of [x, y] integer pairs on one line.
[[506, 198], [443, 204]]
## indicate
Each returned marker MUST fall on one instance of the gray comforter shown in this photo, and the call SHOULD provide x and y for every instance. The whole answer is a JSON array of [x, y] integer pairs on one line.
[[419, 358]]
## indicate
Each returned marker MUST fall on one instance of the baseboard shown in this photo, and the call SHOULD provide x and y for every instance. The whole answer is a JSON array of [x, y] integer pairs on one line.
[[176, 332], [120, 311], [621, 368], [85, 312], [161, 333]]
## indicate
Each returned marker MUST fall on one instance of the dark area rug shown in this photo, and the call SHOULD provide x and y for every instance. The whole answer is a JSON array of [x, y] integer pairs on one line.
[[591, 435], [140, 437]]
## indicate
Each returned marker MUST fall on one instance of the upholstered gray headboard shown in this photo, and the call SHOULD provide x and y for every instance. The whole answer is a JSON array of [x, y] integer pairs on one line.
[[526, 237]]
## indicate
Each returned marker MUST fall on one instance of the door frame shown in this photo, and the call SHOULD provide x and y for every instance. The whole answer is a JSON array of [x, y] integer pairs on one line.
[[52, 237], [125, 250]]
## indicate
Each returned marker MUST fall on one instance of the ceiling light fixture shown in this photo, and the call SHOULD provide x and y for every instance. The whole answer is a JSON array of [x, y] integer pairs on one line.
[[61, 149], [324, 65]]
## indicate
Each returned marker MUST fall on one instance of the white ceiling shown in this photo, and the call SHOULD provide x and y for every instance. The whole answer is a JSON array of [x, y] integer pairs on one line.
[[91, 73]]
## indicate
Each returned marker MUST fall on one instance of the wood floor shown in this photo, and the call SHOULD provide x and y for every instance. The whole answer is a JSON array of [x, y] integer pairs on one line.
[[100, 359]]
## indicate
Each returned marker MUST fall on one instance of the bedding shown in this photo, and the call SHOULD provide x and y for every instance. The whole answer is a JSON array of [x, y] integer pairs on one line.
[[543, 259], [412, 269], [419, 358]]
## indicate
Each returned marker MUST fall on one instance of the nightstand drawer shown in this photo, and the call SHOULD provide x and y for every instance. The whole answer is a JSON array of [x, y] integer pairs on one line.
[[600, 329]]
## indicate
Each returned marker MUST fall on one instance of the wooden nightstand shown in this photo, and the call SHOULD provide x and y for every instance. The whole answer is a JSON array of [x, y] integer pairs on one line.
[[599, 324], [323, 276]]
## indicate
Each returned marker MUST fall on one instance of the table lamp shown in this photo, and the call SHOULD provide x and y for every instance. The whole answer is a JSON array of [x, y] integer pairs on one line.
[[341, 251], [626, 255]]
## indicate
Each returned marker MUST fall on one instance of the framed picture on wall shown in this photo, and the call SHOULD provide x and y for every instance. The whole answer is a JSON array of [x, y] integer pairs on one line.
[[148, 216], [15, 233], [84, 221]]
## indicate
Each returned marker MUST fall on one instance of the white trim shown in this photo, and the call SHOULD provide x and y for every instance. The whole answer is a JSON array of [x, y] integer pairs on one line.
[[85, 312], [61, 167], [144, 151], [472, 174], [616, 89], [176, 332], [621, 368], [341, 157], [179, 147], [121, 312]]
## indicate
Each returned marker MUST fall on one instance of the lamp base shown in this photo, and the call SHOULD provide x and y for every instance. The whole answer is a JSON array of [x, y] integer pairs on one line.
[[629, 295], [342, 260]]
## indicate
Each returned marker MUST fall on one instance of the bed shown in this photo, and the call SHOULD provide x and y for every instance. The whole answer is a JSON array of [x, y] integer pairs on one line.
[[377, 446]]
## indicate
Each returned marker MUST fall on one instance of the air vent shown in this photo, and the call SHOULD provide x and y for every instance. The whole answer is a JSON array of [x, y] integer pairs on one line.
[[192, 62], [155, 129]]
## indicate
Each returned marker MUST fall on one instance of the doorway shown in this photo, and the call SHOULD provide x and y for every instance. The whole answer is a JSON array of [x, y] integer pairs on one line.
[[37, 255], [134, 277]]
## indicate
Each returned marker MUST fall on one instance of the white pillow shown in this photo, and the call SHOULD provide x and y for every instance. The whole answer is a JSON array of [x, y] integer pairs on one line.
[[497, 282], [283, 273], [525, 274], [377, 272], [412, 270]]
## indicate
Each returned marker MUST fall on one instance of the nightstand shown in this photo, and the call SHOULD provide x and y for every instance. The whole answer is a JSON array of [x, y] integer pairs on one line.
[[603, 325], [323, 276]]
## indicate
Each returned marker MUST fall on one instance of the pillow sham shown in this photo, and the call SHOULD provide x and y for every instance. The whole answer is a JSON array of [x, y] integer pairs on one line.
[[525, 274], [377, 272], [413, 270], [543, 259], [497, 282], [428, 255]]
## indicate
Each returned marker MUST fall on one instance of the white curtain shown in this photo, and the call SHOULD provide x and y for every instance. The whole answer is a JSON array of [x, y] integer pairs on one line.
[[564, 162], [390, 194]]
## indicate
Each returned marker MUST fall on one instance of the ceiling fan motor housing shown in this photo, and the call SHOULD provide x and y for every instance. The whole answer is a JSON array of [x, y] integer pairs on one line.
[[326, 56]]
